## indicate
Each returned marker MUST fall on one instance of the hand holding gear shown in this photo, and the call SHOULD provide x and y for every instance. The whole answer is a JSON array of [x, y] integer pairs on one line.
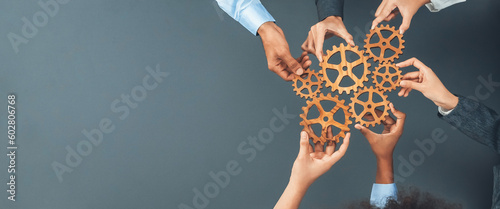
[[384, 44]]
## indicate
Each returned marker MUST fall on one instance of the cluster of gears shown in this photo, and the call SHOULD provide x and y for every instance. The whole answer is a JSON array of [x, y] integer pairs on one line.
[[386, 77]]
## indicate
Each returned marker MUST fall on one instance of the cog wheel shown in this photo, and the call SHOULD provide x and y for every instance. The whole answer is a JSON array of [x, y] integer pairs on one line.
[[344, 69], [387, 76], [384, 44], [326, 118], [369, 106], [312, 79]]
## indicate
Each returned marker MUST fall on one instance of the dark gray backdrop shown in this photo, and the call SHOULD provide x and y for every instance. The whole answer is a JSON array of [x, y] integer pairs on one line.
[[218, 93]]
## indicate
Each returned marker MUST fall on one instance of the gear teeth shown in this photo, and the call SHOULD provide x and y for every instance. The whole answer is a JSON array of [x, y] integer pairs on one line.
[[307, 84], [323, 114], [382, 41], [371, 104]]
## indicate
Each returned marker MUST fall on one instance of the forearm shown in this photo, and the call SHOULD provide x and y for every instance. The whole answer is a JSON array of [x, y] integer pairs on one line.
[[292, 196], [385, 171]]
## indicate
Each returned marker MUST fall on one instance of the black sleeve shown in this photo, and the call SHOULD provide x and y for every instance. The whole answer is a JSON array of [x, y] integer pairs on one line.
[[328, 8], [476, 121]]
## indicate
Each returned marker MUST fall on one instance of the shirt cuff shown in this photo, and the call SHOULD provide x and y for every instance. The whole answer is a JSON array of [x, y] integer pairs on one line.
[[437, 5], [444, 112], [381, 193], [253, 16]]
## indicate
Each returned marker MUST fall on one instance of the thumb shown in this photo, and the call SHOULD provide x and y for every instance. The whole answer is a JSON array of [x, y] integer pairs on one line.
[[304, 144], [347, 37], [411, 85], [293, 65], [365, 131]]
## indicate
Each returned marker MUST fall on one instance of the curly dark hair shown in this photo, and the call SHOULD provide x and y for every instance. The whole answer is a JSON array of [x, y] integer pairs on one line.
[[410, 198]]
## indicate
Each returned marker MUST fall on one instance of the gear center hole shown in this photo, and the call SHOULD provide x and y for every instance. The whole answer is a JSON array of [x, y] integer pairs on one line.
[[325, 119], [369, 106], [344, 68]]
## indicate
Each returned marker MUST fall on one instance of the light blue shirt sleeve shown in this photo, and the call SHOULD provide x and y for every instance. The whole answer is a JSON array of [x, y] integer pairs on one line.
[[437, 5], [383, 192], [249, 13]]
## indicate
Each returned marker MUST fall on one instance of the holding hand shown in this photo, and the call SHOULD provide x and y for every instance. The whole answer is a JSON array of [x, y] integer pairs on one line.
[[389, 9], [309, 165], [426, 81], [383, 144], [330, 26], [279, 59]]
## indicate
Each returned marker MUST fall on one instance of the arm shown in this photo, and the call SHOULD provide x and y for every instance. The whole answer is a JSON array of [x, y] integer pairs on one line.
[[383, 147], [309, 166], [437, 5], [330, 13], [470, 117], [253, 16]]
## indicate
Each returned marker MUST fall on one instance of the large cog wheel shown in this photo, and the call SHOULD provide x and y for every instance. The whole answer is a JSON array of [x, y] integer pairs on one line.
[[384, 44], [387, 77], [369, 107], [307, 84], [325, 119], [344, 69]]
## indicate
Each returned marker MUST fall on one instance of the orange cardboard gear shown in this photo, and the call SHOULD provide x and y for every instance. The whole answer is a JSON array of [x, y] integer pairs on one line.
[[384, 44], [344, 69], [387, 76], [307, 84], [326, 118], [369, 106]]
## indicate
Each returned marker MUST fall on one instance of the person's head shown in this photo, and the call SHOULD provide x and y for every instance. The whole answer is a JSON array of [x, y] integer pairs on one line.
[[411, 198]]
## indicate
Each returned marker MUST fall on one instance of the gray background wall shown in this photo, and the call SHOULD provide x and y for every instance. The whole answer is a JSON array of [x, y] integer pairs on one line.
[[218, 93]]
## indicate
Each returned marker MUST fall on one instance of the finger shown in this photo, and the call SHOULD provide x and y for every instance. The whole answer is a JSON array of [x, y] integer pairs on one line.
[[391, 16], [365, 131], [330, 147], [399, 115], [411, 75], [346, 36], [383, 14], [412, 85], [292, 65], [319, 39], [415, 62], [342, 150], [285, 75], [318, 147], [380, 8], [405, 24], [304, 144]]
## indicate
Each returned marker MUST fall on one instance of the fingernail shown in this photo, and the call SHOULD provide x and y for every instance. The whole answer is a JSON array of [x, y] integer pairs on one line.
[[373, 27], [357, 126], [402, 83], [401, 32], [303, 134], [300, 71]]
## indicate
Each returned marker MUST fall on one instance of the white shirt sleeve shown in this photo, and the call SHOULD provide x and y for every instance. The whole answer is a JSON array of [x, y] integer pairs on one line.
[[437, 5], [249, 13], [444, 112], [381, 193]]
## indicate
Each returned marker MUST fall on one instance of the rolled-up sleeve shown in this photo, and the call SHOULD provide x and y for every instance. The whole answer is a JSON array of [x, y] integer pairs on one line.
[[249, 13], [381, 193], [437, 5]]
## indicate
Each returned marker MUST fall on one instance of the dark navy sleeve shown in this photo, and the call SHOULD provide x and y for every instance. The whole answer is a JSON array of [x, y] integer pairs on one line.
[[476, 121], [328, 8]]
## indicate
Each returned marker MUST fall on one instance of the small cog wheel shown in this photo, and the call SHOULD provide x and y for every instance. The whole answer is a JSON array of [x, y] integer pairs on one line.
[[344, 69], [305, 90], [369, 106], [384, 44], [326, 118], [387, 77]]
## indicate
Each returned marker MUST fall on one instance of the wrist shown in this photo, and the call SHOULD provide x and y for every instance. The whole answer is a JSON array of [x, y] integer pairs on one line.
[[450, 101], [265, 28], [385, 172], [333, 18], [297, 187]]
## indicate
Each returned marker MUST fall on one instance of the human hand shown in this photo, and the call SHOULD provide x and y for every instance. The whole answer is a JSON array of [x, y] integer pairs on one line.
[[279, 59], [312, 163], [383, 144], [389, 9], [426, 81], [330, 26]]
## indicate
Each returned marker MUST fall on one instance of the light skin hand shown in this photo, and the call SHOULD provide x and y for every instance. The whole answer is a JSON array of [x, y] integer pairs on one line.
[[310, 164], [279, 59], [426, 81], [383, 144], [389, 9], [330, 26]]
